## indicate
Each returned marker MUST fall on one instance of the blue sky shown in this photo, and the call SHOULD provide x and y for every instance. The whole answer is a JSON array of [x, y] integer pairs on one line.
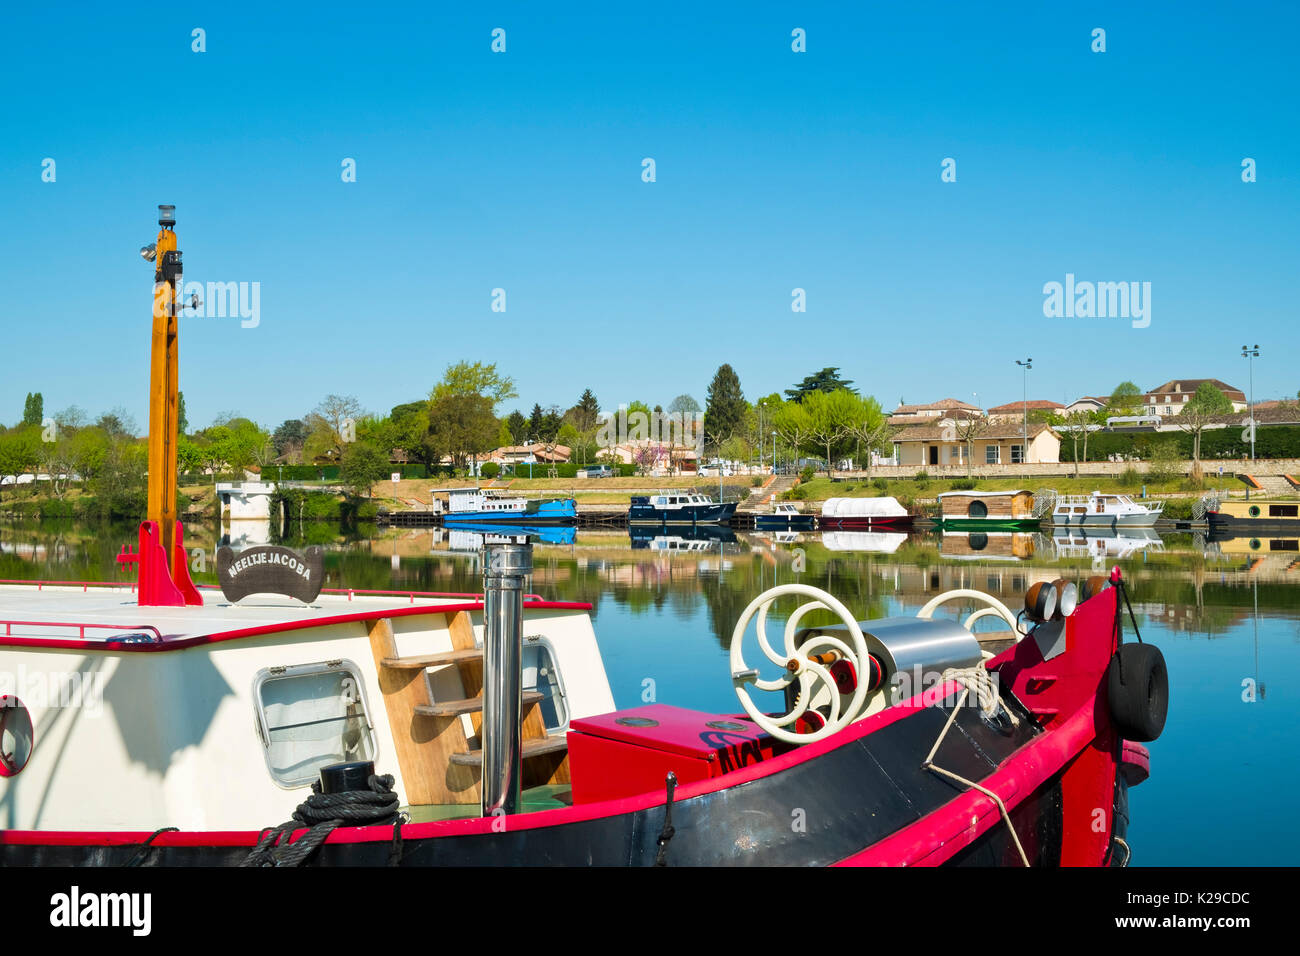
[[522, 170]]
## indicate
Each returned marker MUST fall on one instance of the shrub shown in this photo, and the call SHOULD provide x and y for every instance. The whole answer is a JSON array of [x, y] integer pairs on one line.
[[797, 493], [880, 484], [1129, 477], [922, 478], [756, 481], [808, 473], [489, 469], [963, 484]]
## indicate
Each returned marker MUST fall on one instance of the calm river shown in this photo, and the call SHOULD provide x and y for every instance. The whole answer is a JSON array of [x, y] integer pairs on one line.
[[1226, 614]]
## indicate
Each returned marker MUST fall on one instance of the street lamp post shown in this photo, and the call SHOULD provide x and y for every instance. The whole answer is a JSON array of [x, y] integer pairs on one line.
[[1026, 365], [774, 453], [1250, 354]]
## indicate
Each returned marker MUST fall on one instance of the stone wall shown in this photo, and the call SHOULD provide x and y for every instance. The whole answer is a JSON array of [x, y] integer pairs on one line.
[[1034, 470]]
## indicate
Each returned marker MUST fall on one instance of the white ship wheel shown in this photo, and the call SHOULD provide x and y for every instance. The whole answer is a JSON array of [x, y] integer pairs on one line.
[[993, 608], [798, 665]]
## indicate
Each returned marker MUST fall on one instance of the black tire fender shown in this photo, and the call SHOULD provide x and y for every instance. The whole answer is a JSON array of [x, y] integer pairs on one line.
[[1138, 691]]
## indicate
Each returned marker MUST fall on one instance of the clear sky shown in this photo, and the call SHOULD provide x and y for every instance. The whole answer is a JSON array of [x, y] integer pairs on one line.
[[522, 171]]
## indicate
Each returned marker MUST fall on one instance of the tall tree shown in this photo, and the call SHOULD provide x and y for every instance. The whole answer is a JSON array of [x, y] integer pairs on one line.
[[462, 427], [475, 378], [586, 414], [536, 421], [827, 380], [725, 407], [33, 409], [331, 425], [1199, 412], [1125, 399], [518, 426], [182, 421]]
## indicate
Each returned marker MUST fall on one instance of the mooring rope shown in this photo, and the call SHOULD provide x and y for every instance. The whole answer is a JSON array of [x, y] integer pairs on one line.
[[979, 679], [325, 812]]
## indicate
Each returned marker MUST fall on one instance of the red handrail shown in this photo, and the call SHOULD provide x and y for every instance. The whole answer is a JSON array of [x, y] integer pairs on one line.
[[81, 627]]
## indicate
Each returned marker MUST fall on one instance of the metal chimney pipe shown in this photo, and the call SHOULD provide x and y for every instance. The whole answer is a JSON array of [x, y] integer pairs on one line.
[[507, 563]]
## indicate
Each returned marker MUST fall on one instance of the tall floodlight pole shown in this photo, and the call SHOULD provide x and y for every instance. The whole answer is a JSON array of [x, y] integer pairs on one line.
[[1026, 365], [1250, 354], [774, 453]]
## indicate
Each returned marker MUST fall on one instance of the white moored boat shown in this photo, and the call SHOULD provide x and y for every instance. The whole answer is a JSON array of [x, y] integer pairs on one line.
[[1098, 510]]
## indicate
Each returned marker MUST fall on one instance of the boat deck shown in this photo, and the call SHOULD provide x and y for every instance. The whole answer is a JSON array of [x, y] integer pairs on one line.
[[110, 613]]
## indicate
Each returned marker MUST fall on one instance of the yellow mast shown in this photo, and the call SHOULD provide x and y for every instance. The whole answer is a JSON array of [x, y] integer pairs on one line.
[[163, 381]]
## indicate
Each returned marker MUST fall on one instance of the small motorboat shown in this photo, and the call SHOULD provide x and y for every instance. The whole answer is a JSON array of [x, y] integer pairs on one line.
[[784, 516], [680, 508], [848, 513], [479, 506], [1099, 510]]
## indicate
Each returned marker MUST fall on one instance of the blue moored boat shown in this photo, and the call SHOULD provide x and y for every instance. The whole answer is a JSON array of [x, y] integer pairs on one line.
[[475, 506], [784, 516]]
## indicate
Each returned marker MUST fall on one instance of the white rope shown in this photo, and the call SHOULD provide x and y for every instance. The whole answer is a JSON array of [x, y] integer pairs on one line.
[[978, 679]]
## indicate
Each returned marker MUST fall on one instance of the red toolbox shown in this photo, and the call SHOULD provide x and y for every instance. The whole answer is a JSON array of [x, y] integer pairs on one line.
[[631, 751]]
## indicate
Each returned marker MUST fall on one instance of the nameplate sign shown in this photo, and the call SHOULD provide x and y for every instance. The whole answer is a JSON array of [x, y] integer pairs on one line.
[[268, 569]]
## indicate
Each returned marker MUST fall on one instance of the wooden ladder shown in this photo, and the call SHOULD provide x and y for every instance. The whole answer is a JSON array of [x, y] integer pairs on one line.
[[433, 751]]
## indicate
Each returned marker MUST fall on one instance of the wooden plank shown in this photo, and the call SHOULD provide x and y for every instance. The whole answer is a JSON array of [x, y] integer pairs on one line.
[[532, 748], [454, 708], [424, 747], [419, 662]]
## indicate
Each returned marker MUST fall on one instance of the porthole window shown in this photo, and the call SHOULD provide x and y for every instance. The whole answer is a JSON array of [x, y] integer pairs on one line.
[[1254, 511], [1254, 544], [16, 736], [540, 674], [977, 509], [310, 716]]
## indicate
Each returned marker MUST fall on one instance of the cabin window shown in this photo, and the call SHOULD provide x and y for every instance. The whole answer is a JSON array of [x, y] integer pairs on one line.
[[977, 509], [541, 674], [991, 456], [1017, 454], [310, 716], [1284, 544], [1283, 511]]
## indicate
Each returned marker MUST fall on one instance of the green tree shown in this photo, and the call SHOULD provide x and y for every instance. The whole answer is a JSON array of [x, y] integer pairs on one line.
[[827, 380], [518, 426], [585, 416], [1199, 412], [182, 420], [287, 440], [462, 427], [362, 465], [330, 426], [475, 378], [831, 419], [1125, 399], [725, 406], [33, 409]]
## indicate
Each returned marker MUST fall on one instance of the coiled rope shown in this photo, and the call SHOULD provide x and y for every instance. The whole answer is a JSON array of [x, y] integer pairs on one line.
[[979, 680], [325, 812]]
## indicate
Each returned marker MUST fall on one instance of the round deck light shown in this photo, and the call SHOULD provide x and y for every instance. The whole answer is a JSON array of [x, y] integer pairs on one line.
[[1067, 598], [1092, 587], [1040, 601]]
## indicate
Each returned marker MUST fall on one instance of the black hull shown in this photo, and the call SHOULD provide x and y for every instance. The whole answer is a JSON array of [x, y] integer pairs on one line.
[[702, 514], [847, 798]]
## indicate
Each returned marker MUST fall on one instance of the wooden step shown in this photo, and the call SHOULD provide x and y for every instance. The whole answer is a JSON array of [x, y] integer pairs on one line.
[[532, 748], [420, 661], [470, 705]]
